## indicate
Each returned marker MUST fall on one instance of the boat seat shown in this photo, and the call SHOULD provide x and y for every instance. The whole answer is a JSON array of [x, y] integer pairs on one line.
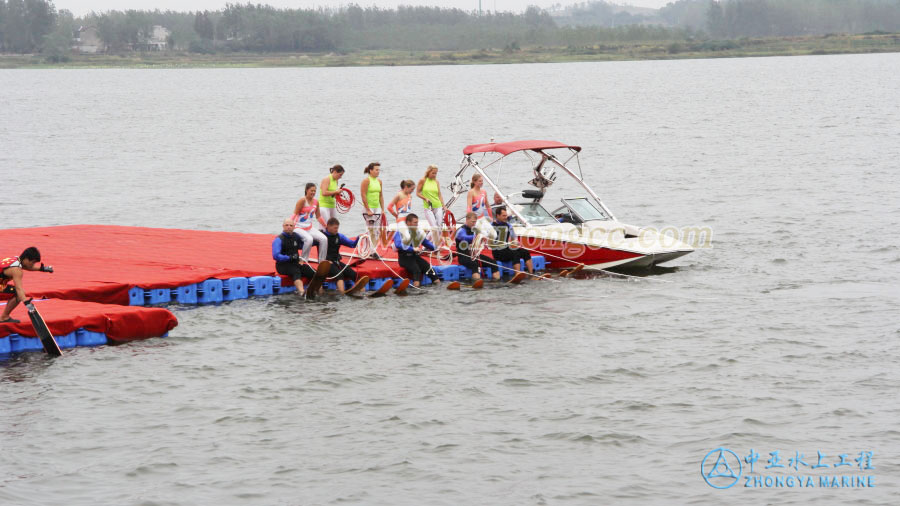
[[532, 194]]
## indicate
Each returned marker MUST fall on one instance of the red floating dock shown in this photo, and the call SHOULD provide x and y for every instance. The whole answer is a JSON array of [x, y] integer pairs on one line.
[[119, 323], [96, 266], [101, 263]]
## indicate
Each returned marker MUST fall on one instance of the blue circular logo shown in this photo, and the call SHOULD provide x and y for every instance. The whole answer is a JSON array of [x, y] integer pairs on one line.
[[719, 471]]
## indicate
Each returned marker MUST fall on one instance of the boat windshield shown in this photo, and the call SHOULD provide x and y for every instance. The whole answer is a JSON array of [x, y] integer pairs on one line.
[[585, 209], [535, 214]]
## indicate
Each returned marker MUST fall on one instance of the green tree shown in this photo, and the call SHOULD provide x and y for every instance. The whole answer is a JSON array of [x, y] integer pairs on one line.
[[40, 19], [2, 18], [715, 20], [124, 30], [535, 17], [686, 13], [58, 43], [15, 30], [204, 26]]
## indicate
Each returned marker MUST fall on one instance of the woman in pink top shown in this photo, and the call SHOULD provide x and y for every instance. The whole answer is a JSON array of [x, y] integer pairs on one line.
[[306, 213], [401, 204], [476, 199]]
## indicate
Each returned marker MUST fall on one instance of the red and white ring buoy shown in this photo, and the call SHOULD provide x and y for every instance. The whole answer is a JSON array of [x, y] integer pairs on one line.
[[344, 200]]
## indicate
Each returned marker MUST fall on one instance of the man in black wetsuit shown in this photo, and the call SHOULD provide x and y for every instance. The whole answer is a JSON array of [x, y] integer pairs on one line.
[[285, 252], [335, 241], [508, 248], [465, 238], [409, 243]]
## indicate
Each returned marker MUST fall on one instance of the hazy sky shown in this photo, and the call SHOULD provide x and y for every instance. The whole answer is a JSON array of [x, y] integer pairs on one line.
[[80, 7]]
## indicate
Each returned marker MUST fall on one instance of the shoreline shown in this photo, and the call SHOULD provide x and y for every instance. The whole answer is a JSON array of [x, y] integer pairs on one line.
[[640, 51]]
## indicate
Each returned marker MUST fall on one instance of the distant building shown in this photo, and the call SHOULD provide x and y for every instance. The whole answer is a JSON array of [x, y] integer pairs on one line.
[[87, 40], [158, 40]]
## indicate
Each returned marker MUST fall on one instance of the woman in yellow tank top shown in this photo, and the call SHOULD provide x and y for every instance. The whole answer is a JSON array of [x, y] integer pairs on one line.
[[429, 190], [328, 188], [372, 199]]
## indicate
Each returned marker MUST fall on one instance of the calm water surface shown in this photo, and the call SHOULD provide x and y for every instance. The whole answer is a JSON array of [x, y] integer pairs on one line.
[[783, 336]]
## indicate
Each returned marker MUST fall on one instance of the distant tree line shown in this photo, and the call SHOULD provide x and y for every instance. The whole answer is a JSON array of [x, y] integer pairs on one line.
[[601, 13], [726, 19], [264, 28], [257, 27], [28, 26]]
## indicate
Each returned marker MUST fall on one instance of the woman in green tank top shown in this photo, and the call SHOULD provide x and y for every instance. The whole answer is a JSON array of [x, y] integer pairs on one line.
[[373, 200], [429, 191], [328, 188]]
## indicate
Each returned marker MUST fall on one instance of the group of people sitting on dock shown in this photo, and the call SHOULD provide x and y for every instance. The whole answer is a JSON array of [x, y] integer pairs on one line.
[[315, 222]]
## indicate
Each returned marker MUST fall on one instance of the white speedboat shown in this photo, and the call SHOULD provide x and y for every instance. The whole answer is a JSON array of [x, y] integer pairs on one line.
[[567, 223]]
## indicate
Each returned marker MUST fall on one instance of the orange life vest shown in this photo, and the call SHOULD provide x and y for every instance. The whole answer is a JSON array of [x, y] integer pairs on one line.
[[7, 262]]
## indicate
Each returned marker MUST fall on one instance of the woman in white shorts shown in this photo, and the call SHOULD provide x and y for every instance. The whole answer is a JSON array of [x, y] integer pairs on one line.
[[328, 188], [306, 213], [373, 201], [429, 191]]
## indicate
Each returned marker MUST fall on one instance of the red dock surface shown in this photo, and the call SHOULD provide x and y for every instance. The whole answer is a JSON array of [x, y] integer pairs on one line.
[[119, 323], [101, 263], [96, 266]]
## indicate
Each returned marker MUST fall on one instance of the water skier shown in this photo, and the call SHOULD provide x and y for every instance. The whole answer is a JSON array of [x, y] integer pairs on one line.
[[11, 270], [335, 241], [286, 253], [409, 243], [465, 238], [508, 248]]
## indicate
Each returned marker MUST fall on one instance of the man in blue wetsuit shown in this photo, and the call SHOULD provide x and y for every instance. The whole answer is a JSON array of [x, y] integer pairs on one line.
[[465, 238], [285, 252], [507, 248], [335, 241], [409, 243]]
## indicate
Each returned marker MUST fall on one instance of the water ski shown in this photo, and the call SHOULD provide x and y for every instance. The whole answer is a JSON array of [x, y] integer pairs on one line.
[[316, 282], [455, 285], [518, 278], [400, 289], [359, 285], [388, 284], [568, 272], [42, 331]]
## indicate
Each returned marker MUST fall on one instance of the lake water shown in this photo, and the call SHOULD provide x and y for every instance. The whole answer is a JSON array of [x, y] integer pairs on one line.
[[781, 337]]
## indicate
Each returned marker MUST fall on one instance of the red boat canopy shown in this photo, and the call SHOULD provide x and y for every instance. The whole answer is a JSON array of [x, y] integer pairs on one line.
[[505, 148]]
